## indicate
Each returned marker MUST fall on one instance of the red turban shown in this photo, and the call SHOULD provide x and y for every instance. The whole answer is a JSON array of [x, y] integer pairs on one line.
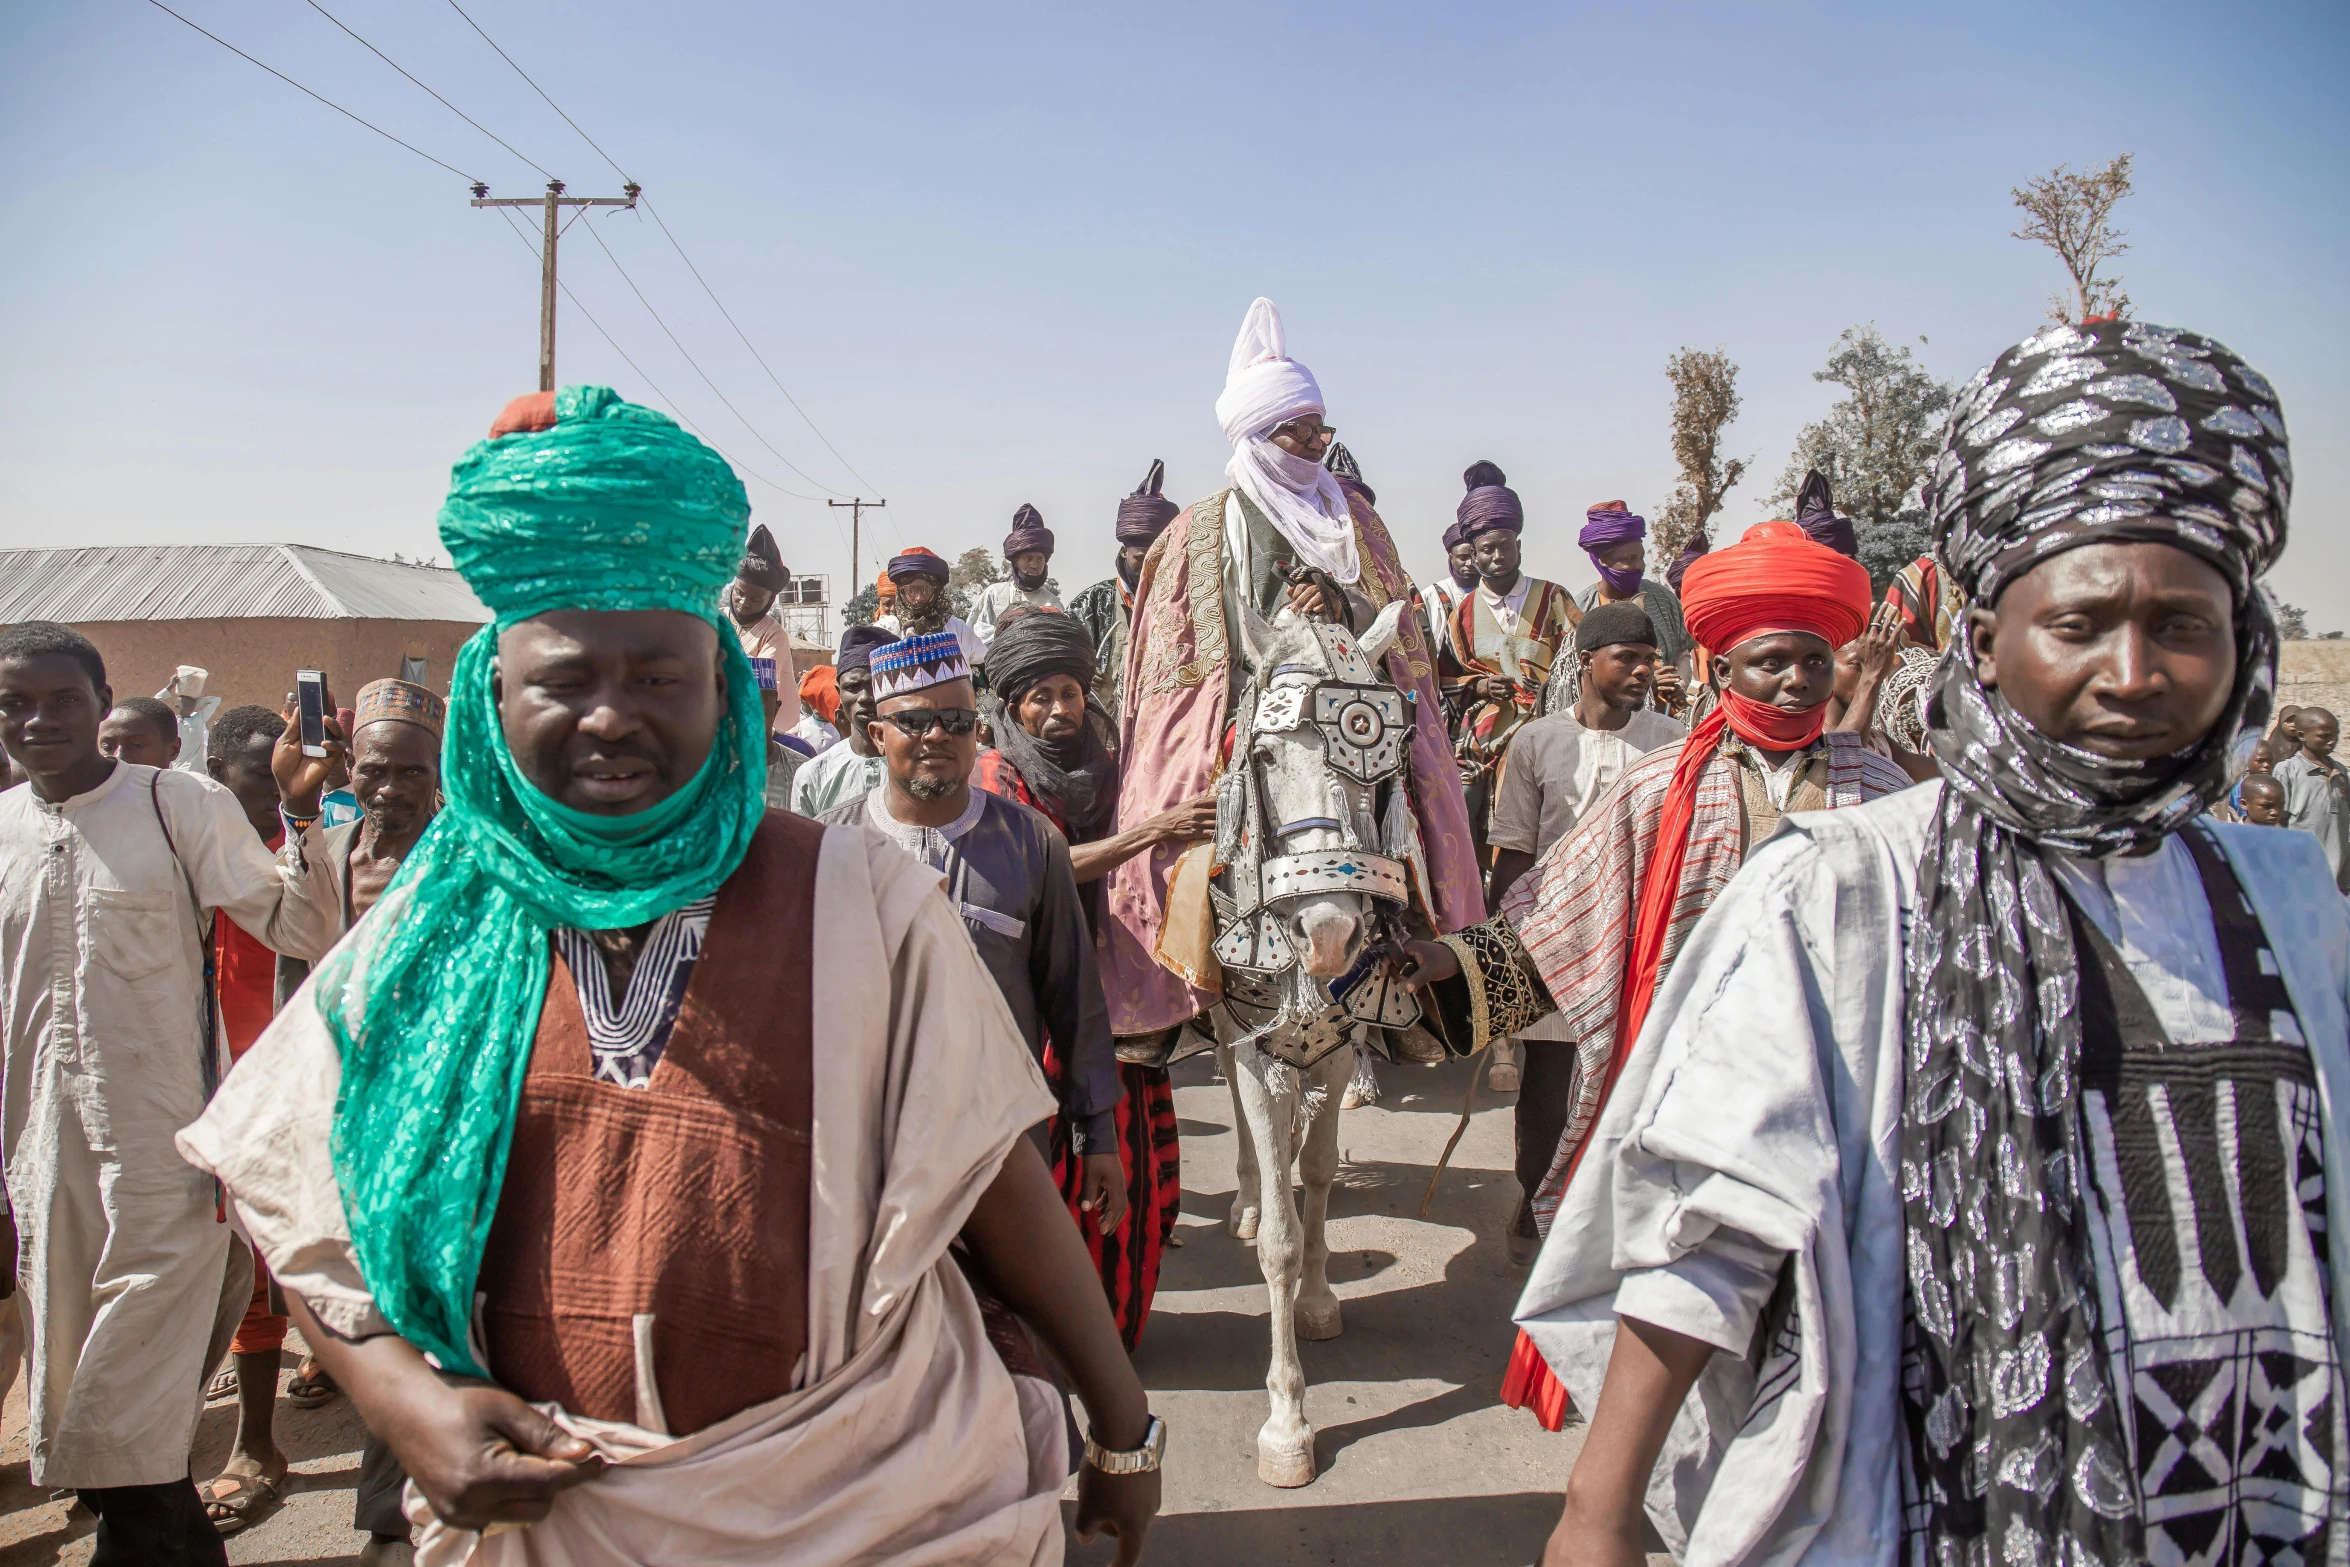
[[820, 690], [1774, 579]]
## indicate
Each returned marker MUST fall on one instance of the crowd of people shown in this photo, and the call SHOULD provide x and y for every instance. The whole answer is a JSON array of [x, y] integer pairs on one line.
[[700, 1107]]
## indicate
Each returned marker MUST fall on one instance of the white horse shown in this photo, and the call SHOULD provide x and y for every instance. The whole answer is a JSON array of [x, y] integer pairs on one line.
[[1319, 853]]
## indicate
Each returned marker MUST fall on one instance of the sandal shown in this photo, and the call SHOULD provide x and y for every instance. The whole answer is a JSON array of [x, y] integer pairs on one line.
[[223, 1385], [236, 1501], [310, 1386]]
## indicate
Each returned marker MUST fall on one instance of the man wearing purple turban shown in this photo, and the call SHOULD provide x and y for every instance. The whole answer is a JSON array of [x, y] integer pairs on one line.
[[1616, 541], [1106, 610], [1501, 640], [1028, 550], [1815, 514]]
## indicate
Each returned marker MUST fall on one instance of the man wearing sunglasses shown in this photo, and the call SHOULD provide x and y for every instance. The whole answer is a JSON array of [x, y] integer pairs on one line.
[[1007, 872]]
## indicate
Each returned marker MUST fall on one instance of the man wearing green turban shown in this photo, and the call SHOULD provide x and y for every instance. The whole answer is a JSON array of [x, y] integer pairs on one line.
[[563, 1121]]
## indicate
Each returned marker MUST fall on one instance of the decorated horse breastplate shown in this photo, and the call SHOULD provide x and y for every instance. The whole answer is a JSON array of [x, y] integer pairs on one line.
[[1365, 727]]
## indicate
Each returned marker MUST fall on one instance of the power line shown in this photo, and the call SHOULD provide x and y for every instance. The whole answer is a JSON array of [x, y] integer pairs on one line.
[[698, 370], [329, 102], [690, 267], [675, 406], [541, 91], [755, 354], [443, 102]]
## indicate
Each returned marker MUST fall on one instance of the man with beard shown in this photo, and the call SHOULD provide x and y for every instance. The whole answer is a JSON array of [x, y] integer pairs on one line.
[[1503, 640], [1028, 550], [846, 771], [1053, 753], [1008, 874], [1978, 1191], [922, 606], [1106, 610], [576, 1113]]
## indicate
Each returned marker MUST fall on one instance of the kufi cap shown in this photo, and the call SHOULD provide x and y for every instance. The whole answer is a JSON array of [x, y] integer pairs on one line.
[[913, 664], [1607, 625], [398, 701], [1774, 579]]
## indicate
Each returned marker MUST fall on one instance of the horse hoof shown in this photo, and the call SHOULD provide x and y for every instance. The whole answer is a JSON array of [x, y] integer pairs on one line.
[[1242, 1223], [1358, 1094], [1502, 1077], [1319, 1325], [1286, 1467]]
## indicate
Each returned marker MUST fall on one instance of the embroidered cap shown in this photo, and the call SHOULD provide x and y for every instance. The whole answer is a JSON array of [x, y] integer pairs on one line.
[[917, 663]]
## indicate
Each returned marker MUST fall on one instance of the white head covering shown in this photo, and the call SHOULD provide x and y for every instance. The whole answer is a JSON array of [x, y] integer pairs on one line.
[[1263, 388]]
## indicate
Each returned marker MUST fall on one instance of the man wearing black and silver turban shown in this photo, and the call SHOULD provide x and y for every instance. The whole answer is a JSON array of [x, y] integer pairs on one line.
[[2004, 1110]]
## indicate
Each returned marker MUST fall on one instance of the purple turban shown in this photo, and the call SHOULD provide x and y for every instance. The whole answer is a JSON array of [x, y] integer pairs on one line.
[[1028, 533], [1607, 525], [1691, 552], [1490, 504], [917, 562], [1454, 537], [856, 648], [1815, 514], [1144, 515]]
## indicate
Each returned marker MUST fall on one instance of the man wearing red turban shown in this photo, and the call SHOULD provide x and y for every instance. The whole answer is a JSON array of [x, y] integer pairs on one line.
[[1590, 931]]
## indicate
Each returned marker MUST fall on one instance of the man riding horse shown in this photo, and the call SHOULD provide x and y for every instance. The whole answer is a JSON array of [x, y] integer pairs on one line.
[[1285, 534]]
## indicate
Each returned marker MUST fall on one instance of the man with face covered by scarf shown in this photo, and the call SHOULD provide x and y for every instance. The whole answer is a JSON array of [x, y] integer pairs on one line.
[[1106, 610], [1993, 1129], [1054, 753], [1616, 541]]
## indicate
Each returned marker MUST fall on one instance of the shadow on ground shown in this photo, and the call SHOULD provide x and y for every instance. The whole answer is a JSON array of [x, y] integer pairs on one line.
[[1457, 1531]]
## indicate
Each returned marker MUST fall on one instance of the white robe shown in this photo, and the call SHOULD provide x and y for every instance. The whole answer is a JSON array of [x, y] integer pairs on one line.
[[1759, 1118], [907, 1442], [996, 600], [121, 1260]]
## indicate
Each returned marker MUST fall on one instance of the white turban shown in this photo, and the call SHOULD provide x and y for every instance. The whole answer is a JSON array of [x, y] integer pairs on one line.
[[1264, 388]]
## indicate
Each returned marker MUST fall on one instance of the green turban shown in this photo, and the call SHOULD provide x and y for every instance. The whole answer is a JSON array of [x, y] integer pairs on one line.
[[434, 1004]]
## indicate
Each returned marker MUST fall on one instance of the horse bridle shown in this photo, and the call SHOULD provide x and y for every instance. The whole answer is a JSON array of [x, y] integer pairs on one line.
[[1366, 728]]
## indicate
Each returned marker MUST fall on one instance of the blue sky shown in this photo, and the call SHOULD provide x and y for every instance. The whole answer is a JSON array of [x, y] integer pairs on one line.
[[999, 253]]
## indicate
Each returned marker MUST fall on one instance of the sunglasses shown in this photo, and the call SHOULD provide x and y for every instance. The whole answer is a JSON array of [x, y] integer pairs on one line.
[[915, 722]]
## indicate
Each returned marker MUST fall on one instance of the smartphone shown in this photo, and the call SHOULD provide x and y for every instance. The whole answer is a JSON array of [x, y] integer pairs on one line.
[[310, 710]]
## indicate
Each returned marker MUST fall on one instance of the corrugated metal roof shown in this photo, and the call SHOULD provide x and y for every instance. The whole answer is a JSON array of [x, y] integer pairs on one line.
[[225, 582]]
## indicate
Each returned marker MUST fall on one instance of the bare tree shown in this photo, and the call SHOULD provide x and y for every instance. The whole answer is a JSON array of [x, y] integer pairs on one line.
[[1705, 400], [1874, 446], [2072, 214]]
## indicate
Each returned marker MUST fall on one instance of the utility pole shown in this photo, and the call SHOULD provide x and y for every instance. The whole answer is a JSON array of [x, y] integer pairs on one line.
[[856, 521], [552, 200]]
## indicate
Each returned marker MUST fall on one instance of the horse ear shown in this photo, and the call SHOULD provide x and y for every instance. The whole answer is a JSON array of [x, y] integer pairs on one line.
[[1380, 638], [1256, 636]]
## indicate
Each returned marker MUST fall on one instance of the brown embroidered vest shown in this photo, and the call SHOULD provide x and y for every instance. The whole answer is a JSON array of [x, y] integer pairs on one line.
[[649, 1258]]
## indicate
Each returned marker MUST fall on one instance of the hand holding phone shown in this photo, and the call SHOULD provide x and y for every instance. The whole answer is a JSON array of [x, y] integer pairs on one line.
[[310, 710]]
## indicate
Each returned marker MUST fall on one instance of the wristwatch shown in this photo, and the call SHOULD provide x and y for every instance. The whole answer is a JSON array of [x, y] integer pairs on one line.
[[1141, 1460]]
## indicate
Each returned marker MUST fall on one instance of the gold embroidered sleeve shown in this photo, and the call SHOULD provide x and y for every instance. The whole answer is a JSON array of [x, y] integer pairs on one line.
[[1504, 993]]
